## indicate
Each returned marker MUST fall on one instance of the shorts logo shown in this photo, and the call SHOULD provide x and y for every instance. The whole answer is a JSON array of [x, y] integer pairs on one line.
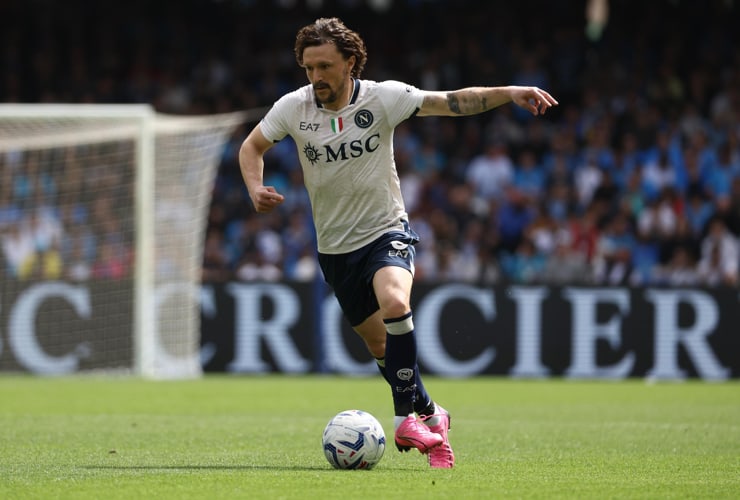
[[405, 373], [400, 249], [364, 118]]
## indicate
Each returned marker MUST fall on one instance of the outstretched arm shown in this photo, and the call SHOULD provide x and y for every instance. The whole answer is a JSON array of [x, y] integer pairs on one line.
[[474, 100], [252, 164]]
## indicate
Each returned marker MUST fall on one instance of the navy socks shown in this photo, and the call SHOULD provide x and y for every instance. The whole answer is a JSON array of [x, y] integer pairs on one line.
[[423, 404], [400, 368]]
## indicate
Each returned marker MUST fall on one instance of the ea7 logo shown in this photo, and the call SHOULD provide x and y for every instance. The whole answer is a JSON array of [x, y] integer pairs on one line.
[[309, 126], [400, 249]]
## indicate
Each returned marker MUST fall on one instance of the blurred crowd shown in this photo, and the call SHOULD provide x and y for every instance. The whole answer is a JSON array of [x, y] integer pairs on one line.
[[633, 180], [65, 213]]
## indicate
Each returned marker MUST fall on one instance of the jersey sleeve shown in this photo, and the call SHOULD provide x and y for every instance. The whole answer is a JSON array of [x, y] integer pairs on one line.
[[274, 124], [401, 100]]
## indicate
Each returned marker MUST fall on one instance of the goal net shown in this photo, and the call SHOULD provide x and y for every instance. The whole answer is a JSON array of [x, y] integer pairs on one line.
[[102, 218]]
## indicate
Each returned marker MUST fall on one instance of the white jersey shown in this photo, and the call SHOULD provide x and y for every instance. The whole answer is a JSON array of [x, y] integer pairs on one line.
[[347, 159]]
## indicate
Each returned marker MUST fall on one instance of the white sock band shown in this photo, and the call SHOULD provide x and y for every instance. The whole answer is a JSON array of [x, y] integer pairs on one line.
[[399, 326]]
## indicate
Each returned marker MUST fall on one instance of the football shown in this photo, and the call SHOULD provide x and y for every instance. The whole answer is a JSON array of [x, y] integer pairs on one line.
[[353, 439]]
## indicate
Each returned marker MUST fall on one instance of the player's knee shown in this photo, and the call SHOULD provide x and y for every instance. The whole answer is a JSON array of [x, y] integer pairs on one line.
[[394, 307]]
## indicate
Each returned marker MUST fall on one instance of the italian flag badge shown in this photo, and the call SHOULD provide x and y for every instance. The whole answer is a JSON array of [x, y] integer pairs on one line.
[[337, 125]]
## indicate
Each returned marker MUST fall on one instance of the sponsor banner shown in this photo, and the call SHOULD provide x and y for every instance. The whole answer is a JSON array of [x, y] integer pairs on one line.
[[258, 328], [56, 328], [462, 330]]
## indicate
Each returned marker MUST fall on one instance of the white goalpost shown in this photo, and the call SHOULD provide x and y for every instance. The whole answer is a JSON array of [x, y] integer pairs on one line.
[[103, 211]]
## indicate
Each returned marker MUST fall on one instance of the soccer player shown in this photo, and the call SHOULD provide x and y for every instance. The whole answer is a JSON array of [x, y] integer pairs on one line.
[[343, 128]]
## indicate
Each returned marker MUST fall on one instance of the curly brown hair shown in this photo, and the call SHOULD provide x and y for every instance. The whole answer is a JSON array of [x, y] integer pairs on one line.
[[332, 30]]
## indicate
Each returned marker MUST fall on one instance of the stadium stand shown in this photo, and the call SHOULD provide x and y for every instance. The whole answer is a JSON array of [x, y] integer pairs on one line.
[[634, 179]]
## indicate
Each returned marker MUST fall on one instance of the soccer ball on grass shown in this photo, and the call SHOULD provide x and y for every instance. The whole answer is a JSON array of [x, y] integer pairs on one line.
[[353, 439]]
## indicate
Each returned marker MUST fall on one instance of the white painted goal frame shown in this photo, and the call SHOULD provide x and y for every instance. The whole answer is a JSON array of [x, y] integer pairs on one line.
[[142, 125]]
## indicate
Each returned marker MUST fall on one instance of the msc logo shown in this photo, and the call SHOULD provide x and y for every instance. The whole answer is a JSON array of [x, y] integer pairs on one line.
[[311, 153], [345, 151], [364, 118]]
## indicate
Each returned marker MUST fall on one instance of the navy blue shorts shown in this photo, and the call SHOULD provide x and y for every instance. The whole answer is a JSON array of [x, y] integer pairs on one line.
[[350, 275]]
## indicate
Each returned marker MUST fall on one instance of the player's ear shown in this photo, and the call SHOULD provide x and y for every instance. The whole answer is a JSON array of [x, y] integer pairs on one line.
[[351, 61]]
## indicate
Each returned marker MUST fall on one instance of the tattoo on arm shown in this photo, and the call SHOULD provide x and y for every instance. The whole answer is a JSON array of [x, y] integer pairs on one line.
[[453, 103], [467, 102]]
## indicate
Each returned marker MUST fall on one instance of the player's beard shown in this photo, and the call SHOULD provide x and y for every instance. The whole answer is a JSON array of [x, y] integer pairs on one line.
[[332, 97], [333, 94]]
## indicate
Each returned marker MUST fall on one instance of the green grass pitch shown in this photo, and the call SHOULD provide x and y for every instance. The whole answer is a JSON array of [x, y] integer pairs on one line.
[[258, 437]]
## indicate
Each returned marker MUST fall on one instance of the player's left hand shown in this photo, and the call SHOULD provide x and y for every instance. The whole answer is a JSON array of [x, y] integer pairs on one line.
[[533, 99]]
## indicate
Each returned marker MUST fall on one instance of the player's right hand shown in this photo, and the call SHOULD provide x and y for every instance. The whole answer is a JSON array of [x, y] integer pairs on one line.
[[265, 199]]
